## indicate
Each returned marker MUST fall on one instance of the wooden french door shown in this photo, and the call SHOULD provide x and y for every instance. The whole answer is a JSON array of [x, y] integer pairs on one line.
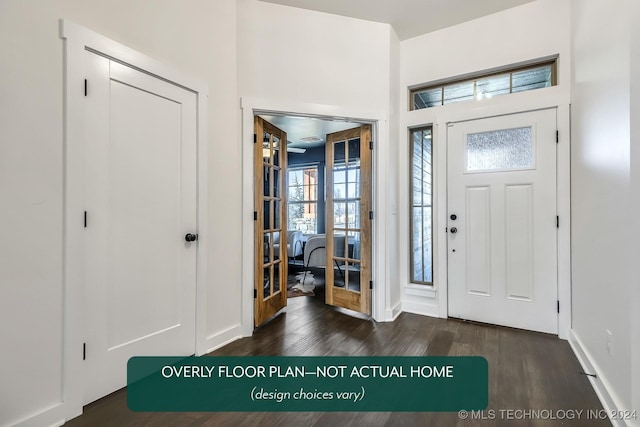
[[348, 223], [270, 201]]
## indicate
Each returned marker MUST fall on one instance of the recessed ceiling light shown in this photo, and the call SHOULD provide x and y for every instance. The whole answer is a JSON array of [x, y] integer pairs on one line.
[[296, 150], [310, 139]]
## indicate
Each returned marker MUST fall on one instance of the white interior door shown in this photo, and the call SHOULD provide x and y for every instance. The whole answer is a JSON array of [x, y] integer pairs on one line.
[[502, 220], [140, 191]]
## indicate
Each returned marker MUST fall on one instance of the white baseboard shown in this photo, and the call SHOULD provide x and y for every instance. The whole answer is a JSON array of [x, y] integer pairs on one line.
[[421, 308], [224, 337], [396, 311], [58, 414], [392, 314], [601, 386], [53, 416]]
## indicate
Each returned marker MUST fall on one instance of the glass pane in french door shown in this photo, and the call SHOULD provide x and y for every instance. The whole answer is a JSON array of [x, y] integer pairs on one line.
[[346, 214], [354, 246], [267, 181], [276, 182], [275, 146], [268, 246], [266, 211], [276, 214], [353, 276], [276, 277], [339, 243], [267, 282], [267, 153]]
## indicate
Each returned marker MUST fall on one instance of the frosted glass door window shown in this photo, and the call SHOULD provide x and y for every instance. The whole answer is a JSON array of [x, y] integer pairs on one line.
[[500, 150]]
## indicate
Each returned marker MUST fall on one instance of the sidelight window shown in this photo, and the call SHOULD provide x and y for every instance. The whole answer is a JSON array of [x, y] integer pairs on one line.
[[421, 207]]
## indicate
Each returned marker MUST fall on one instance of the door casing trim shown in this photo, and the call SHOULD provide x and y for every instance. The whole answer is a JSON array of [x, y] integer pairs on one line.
[[378, 120], [554, 97]]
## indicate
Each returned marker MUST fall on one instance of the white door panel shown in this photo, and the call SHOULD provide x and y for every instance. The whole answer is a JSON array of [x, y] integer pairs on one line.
[[478, 250], [502, 244], [141, 201]]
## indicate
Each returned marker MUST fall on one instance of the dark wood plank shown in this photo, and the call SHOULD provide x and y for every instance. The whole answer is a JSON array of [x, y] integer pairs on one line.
[[527, 370]]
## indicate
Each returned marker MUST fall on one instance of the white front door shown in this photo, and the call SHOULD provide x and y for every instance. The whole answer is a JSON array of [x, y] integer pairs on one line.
[[502, 262], [140, 192]]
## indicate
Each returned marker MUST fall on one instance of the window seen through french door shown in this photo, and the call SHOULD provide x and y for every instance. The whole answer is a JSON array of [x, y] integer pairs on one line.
[[303, 199], [346, 194]]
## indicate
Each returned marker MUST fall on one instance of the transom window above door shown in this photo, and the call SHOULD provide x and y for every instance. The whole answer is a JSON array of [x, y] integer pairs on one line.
[[484, 85]]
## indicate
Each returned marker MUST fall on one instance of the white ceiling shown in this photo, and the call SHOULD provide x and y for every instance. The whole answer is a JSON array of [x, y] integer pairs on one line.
[[298, 128], [409, 18]]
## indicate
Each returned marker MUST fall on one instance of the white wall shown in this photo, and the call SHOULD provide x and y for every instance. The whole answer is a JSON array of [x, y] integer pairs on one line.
[[307, 57], [300, 55], [602, 213], [197, 36], [635, 185], [526, 32], [325, 63], [395, 264], [534, 30]]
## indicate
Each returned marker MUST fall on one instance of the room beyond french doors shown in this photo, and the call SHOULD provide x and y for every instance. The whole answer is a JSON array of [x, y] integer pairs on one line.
[[348, 219], [270, 215]]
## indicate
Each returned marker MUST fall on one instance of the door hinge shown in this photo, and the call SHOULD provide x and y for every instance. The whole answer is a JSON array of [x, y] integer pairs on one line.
[[557, 137], [370, 214], [255, 138], [255, 215], [371, 145], [84, 351], [85, 87], [558, 306], [255, 293], [370, 284], [85, 219], [557, 221]]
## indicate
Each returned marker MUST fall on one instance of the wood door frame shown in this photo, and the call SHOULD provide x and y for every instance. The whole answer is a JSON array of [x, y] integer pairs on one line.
[[381, 188], [77, 40]]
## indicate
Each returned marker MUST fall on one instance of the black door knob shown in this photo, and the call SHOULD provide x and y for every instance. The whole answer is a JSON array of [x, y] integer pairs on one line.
[[453, 217], [191, 237], [453, 230]]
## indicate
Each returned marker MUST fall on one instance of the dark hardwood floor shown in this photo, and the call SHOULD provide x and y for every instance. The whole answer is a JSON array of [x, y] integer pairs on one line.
[[527, 371]]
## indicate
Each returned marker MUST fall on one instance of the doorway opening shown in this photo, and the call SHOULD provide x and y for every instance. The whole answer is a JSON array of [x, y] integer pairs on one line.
[[312, 212]]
